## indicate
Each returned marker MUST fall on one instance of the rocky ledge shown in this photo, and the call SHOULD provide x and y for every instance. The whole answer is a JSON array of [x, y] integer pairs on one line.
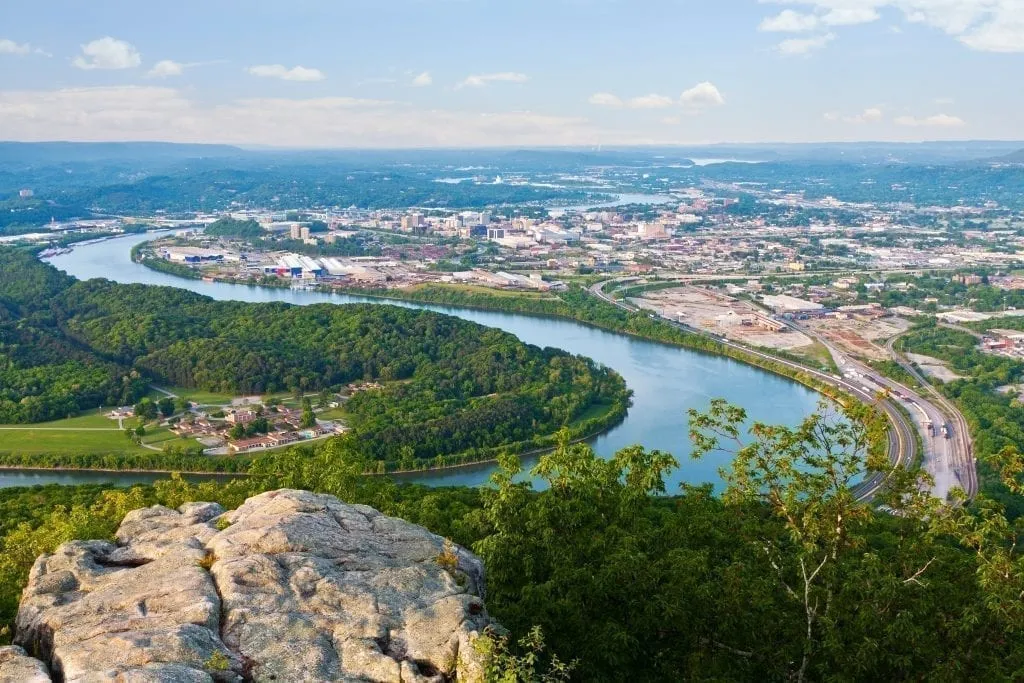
[[291, 586]]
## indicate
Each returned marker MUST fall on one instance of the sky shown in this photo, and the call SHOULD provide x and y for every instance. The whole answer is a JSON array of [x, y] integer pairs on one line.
[[466, 73]]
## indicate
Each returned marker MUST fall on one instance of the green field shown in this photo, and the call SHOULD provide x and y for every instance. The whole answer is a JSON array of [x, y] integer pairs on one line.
[[491, 291], [196, 395], [75, 442], [332, 414], [94, 419]]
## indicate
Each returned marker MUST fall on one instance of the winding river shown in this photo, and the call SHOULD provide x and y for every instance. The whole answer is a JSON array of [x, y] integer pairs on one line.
[[666, 381]]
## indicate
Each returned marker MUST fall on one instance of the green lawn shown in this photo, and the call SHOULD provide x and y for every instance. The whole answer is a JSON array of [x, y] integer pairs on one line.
[[93, 419], [596, 410], [43, 441], [479, 289], [197, 395], [332, 414], [157, 435]]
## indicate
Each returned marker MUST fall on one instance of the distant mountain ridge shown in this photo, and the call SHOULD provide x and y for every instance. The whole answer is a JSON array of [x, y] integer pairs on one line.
[[68, 152], [1011, 158], [49, 153]]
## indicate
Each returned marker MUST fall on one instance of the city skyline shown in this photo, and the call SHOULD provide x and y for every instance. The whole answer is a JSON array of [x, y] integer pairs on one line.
[[467, 73]]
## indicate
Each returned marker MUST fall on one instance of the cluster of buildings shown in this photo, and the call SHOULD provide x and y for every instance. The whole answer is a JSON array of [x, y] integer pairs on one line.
[[285, 427]]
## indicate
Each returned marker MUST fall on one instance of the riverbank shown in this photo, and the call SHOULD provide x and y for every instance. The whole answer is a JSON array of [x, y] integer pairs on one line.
[[555, 307], [667, 381], [612, 319], [27, 468], [57, 469]]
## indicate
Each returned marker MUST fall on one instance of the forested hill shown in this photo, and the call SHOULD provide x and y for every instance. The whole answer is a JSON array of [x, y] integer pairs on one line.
[[450, 385]]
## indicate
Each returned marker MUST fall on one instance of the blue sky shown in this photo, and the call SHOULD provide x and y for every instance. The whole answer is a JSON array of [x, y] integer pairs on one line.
[[410, 73]]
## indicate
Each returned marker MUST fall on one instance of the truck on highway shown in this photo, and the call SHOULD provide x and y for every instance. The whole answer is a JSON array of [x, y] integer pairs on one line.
[[946, 432]]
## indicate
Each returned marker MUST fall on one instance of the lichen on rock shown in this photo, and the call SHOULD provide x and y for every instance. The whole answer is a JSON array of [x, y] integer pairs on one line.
[[291, 586]]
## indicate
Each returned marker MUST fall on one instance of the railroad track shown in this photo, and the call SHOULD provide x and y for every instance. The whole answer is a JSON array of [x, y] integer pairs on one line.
[[961, 433]]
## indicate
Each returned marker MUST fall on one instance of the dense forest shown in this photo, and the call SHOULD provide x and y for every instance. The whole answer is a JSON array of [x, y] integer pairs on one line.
[[576, 304], [450, 385], [784, 577]]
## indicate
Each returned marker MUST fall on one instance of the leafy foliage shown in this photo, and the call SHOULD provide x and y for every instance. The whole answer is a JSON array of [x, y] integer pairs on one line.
[[453, 386]]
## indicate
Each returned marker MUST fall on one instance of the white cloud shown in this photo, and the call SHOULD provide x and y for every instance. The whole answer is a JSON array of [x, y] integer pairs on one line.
[[165, 68], [296, 73], [107, 53], [701, 96], [869, 115], [937, 121], [480, 80], [803, 46], [849, 16], [423, 80], [9, 47], [163, 113], [985, 25], [651, 101], [788, 21], [694, 100], [605, 99]]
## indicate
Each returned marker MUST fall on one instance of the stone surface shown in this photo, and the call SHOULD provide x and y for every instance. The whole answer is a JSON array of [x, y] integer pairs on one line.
[[291, 586], [17, 667]]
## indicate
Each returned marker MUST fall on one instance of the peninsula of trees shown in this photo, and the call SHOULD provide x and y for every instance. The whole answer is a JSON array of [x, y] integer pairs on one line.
[[450, 387]]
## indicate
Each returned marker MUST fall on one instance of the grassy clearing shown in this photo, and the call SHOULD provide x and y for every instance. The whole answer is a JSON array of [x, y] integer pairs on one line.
[[73, 442], [332, 414], [94, 419], [197, 395], [596, 410], [815, 352], [479, 289], [158, 435]]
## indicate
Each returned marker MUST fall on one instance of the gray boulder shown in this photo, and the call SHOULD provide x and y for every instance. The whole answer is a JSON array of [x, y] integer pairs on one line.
[[291, 586], [17, 667]]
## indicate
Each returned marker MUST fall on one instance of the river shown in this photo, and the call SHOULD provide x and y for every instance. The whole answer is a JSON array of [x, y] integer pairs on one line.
[[666, 381]]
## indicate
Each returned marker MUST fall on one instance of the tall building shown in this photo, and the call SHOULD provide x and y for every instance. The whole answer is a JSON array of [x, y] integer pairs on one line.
[[296, 232], [412, 221], [304, 233]]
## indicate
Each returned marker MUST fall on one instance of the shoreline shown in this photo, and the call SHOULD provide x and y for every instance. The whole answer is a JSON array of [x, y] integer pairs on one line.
[[207, 473], [107, 470], [779, 367]]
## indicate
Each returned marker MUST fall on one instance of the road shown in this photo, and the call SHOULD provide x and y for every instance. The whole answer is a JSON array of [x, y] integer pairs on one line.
[[943, 458], [902, 444], [959, 448]]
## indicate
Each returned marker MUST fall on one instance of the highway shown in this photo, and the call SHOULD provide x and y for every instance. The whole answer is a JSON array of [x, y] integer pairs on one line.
[[958, 450], [947, 460], [902, 444]]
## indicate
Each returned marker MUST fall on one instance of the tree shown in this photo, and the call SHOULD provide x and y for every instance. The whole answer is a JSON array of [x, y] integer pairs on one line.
[[166, 406], [145, 410], [308, 416], [805, 478]]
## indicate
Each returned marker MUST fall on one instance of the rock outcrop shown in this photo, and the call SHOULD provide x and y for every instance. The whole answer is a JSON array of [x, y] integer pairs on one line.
[[17, 667], [291, 586]]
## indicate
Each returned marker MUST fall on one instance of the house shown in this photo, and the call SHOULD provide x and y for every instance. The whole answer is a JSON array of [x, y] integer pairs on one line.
[[241, 417], [257, 443]]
